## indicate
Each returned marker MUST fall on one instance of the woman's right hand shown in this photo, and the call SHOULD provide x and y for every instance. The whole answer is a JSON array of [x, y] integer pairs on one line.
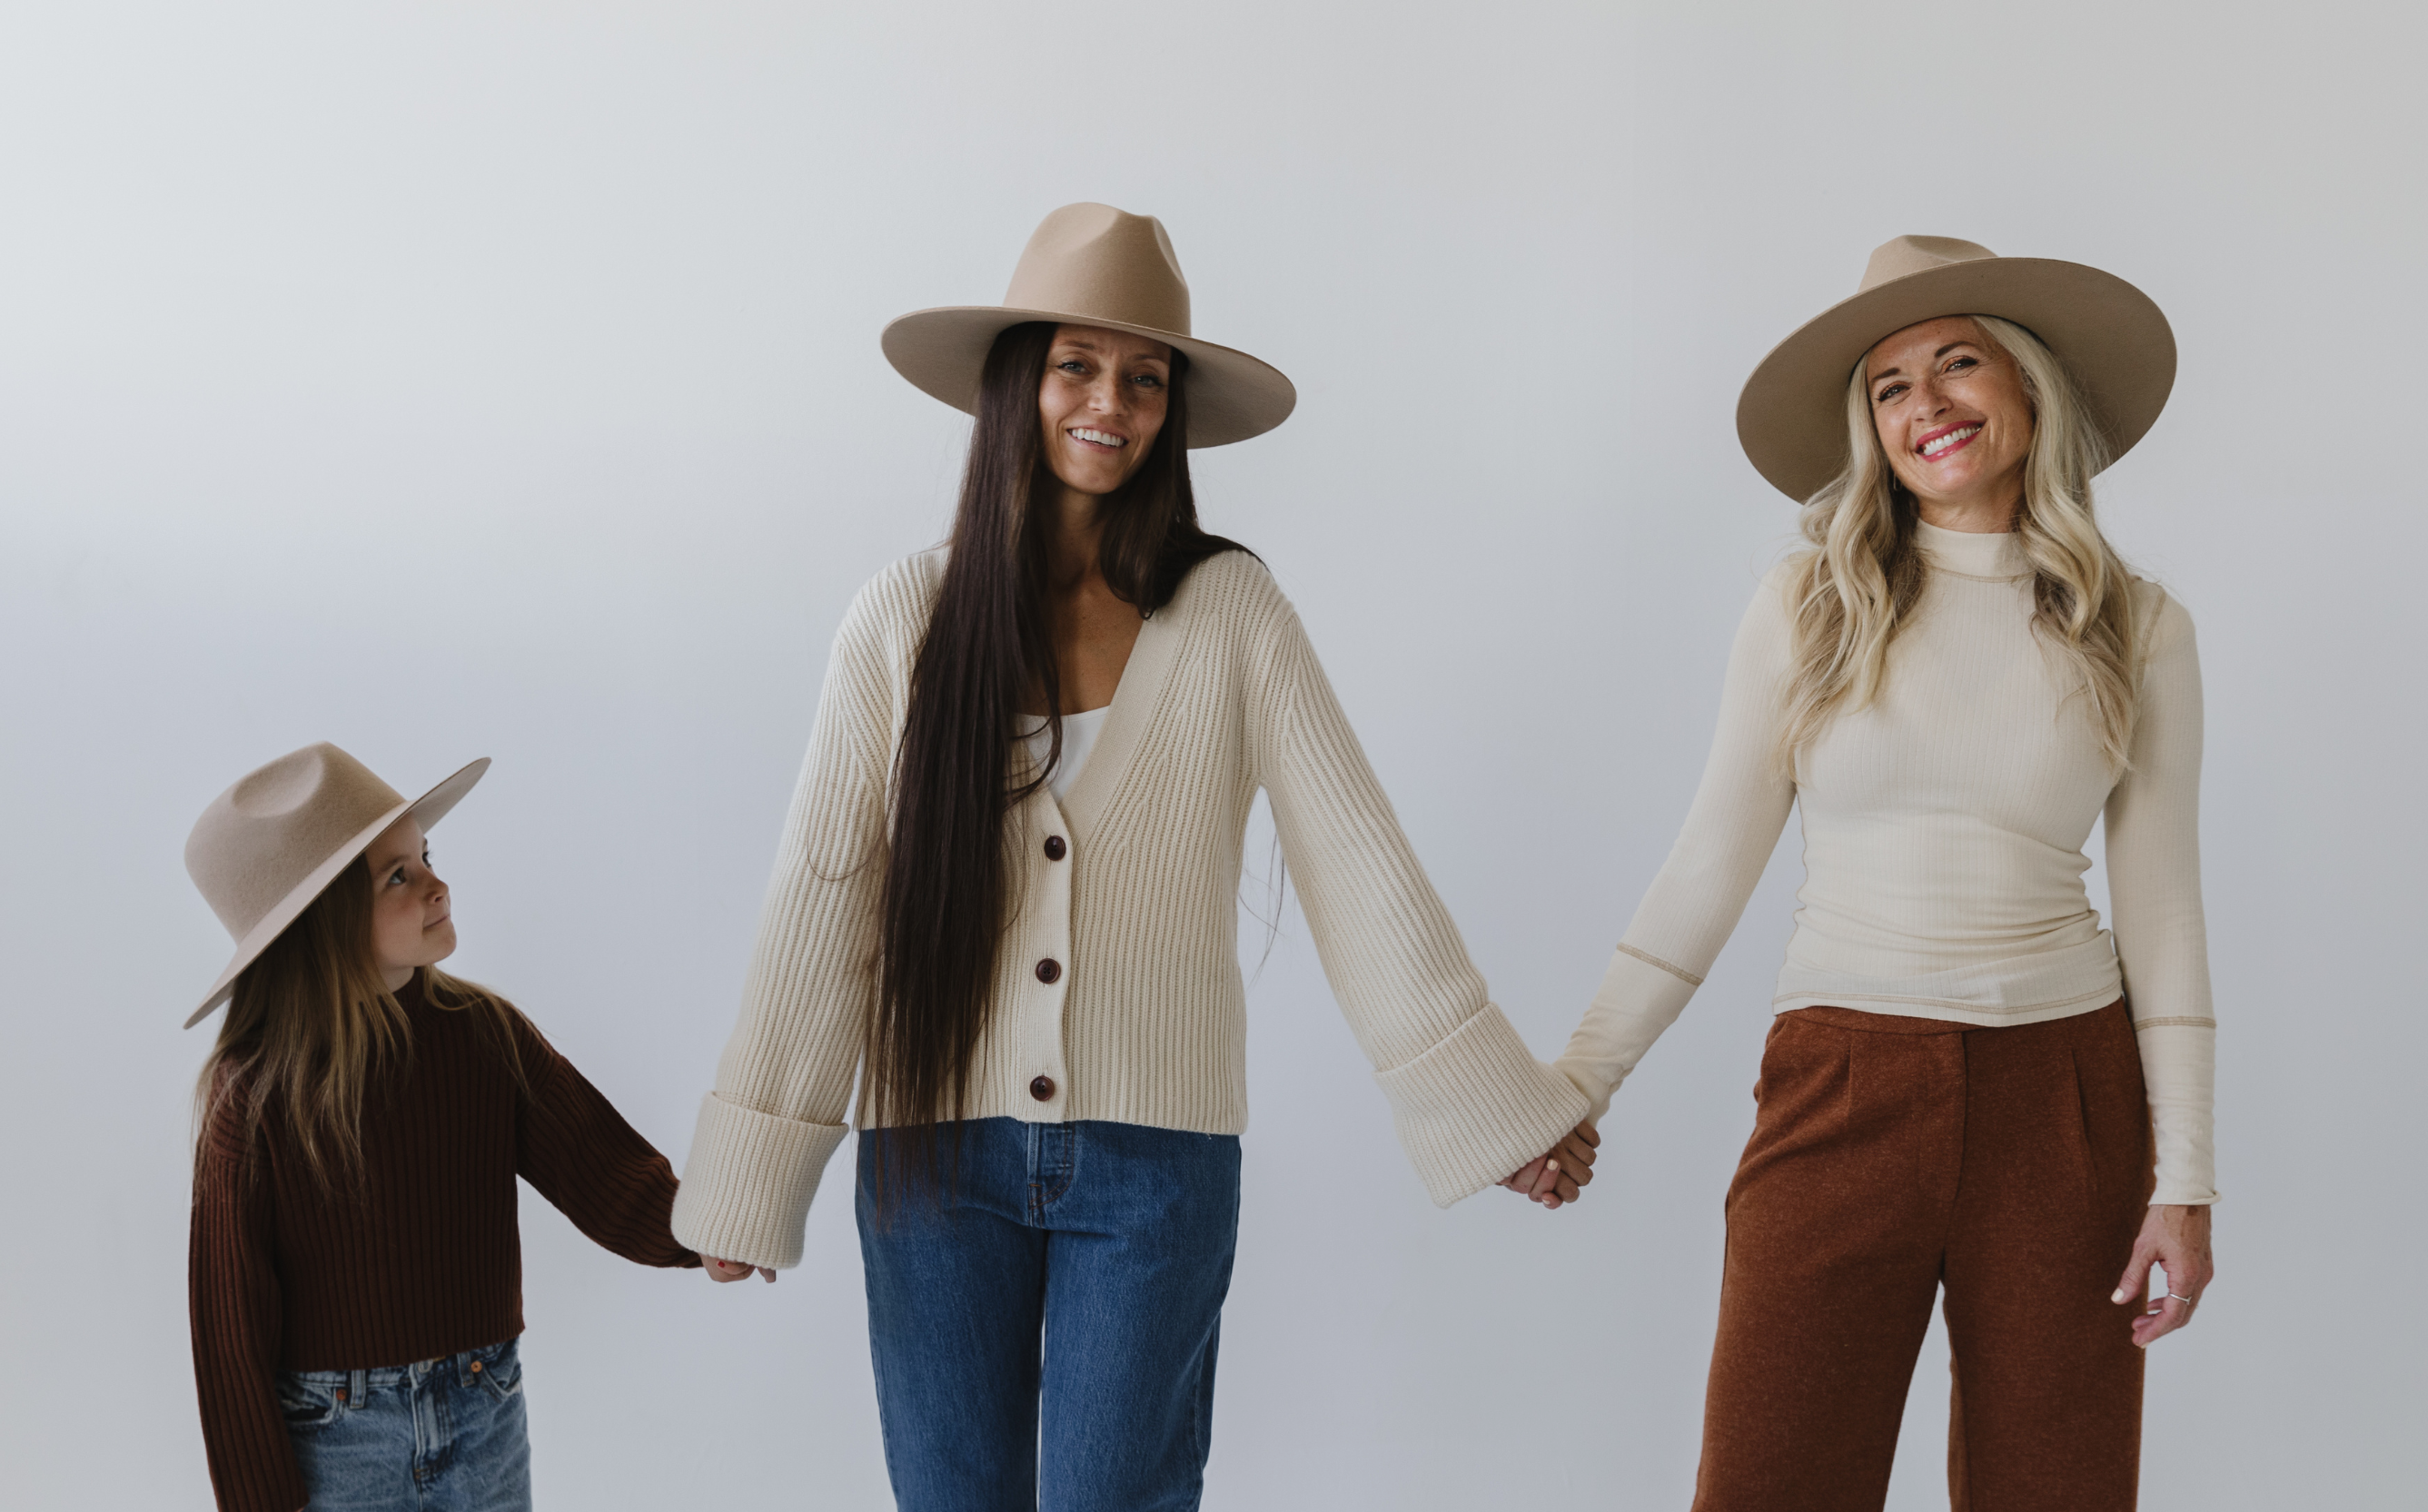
[[1556, 1176], [726, 1270]]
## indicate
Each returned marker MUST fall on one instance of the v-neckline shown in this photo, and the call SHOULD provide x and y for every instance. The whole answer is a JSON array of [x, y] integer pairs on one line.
[[1135, 697]]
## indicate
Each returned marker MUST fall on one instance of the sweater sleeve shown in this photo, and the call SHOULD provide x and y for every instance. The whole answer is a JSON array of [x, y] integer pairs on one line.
[[576, 1151], [233, 1299], [1469, 1101], [2153, 823], [1694, 905], [783, 1098]]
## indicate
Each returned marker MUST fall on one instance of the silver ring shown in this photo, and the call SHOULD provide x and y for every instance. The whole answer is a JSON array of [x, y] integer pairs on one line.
[[2189, 1302]]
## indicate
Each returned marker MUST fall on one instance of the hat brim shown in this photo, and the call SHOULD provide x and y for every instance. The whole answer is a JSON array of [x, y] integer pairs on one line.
[[2112, 338], [1232, 395], [428, 810]]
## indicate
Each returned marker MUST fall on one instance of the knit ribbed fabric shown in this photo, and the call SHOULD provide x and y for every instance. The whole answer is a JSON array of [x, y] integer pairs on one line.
[[1141, 1017], [416, 1258], [1943, 835]]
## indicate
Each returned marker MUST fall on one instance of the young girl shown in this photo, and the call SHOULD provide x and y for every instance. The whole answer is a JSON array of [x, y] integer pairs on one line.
[[355, 1274]]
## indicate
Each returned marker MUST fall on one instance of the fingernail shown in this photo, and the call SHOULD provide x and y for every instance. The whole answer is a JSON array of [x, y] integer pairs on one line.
[[2118, 1295]]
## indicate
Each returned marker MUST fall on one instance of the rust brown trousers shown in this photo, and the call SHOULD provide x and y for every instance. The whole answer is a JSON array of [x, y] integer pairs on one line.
[[1892, 1156]]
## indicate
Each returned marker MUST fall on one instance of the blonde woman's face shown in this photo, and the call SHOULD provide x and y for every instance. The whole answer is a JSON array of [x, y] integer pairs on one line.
[[1951, 413], [413, 922], [1102, 402]]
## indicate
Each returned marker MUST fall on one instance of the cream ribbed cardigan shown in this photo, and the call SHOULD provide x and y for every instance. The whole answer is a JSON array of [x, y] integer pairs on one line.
[[1944, 833], [1143, 1020]]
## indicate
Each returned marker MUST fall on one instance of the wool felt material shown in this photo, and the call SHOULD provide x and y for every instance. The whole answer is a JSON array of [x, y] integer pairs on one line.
[[418, 1258], [2112, 339], [1943, 833], [1118, 994], [1095, 266], [1895, 1156]]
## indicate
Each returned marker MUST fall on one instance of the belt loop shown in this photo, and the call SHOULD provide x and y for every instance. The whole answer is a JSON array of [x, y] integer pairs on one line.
[[359, 1390]]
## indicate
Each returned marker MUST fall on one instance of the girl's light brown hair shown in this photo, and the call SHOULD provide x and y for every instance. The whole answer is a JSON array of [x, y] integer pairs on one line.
[[1858, 585], [311, 1026]]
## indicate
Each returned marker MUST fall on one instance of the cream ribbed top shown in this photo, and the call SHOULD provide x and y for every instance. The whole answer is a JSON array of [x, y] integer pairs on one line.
[[1118, 992], [1943, 835]]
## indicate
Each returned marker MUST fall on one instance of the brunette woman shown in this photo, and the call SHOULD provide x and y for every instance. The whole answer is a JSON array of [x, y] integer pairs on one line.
[[357, 1274], [1955, 680], [1005, 901]]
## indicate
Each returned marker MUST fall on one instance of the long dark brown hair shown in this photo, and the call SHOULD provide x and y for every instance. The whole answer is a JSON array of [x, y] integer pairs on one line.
[[988, 655], [312, 1026]]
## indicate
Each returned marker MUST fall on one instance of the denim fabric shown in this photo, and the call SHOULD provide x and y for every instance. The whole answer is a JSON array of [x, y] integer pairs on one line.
[[440, 1435], [1045, 1334]]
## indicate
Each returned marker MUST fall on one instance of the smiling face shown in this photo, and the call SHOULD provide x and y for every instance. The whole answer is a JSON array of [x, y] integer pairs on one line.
[[413, 921], [1102, 402], [1950, 411]]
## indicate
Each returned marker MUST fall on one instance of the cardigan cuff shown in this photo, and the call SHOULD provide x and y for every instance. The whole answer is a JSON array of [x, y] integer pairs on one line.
[[748, 1183], [1477, 1107]]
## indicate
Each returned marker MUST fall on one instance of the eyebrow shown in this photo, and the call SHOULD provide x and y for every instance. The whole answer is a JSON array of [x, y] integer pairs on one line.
[[1089, 344], [1892, 372]]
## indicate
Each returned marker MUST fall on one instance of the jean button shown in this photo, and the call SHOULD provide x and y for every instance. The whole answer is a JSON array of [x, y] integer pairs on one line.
[[1041, 1089]]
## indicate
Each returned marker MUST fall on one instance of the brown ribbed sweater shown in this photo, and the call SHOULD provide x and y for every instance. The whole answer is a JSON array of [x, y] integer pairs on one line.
[[422, 1256]]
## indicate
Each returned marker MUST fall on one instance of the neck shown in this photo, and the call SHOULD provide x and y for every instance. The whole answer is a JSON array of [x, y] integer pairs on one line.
[[1989, 515], [1078, 537], [396, 977]]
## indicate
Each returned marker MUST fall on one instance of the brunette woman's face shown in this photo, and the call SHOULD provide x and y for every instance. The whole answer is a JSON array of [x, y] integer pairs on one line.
[[413, 922], [1102, 402], [1951, 413]]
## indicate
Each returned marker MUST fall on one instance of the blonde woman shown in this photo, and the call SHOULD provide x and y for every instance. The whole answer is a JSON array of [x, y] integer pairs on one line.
[[1970, 1083]]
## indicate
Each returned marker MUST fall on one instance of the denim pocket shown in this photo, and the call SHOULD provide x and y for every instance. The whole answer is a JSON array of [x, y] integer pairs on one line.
[[499, 1371], [310, 1401]]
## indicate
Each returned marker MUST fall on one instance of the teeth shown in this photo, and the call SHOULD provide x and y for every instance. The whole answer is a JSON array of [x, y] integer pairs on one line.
[[1933, 448], [1102, 438]]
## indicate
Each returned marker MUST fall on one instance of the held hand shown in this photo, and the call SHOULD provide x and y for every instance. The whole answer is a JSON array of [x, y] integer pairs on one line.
[[725, 1270], [2176, 1239], [1556, 1177]]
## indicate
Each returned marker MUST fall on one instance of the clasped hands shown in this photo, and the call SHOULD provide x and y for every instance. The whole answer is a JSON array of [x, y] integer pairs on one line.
[[1556, 1177]]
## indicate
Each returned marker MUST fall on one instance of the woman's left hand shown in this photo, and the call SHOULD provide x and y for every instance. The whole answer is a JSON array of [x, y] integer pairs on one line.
[[2176, 1239], [1556, 1177]]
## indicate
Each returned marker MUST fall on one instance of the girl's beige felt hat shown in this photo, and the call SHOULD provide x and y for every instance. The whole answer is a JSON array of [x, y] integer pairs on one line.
[[1095, 265], [1791, 417], [273, 842]]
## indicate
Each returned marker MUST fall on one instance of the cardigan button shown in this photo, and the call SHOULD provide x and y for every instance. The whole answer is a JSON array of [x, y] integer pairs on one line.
[[1049, 970], [1041, 1089], [1055, 849]]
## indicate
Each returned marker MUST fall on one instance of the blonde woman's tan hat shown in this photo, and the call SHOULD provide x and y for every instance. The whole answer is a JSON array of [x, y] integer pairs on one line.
[[275, 841], [1095, 266], [1791, 417]]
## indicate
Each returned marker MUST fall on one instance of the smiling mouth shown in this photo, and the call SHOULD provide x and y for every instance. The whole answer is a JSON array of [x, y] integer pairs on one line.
[[1940, 442], [447, 917], [1099, 438]]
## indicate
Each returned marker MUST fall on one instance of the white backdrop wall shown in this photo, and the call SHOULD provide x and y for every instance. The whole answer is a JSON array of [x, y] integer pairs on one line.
[[449, 380]]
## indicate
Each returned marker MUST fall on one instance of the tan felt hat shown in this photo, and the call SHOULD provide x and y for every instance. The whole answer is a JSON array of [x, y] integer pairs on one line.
[[1095, 265], [273, 842], [1791, 417]]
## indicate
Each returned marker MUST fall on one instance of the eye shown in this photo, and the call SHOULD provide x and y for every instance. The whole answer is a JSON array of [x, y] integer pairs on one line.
[[1071, 365], [1148, 380], [396, 878], [1964, 361], [1889, 392]]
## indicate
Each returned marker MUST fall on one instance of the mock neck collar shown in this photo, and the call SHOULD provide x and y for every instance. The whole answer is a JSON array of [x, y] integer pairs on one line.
[[1973, 555]]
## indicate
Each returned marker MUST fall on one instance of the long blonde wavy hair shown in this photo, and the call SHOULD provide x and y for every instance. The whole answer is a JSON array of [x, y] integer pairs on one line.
[[312, 1024], [1858, 585]]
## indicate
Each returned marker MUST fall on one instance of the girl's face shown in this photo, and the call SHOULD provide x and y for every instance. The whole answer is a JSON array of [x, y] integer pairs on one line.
[[1102, 402], [413, 922], [1951, 412]]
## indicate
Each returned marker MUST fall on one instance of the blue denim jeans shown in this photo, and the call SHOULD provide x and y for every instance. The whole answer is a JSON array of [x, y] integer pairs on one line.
[[440, 1435], [1045, 1334]]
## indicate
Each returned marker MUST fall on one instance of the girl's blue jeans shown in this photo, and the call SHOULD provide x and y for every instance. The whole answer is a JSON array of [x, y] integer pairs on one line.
[[1045, 1331], [440, 1435]]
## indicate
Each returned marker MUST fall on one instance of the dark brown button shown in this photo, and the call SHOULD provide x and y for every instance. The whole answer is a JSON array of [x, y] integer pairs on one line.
[[1041, 1089], [1055, 849], [1049, 970]]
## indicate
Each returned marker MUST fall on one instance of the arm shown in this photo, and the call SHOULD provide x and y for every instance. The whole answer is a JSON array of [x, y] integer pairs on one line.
[[576, 1151], [1694, 905], [2153, 823], [233, 1297], [783, 1086], [1471, 1102]]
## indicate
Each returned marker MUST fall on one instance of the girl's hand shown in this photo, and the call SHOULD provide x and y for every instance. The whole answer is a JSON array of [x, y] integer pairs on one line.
[[2176, 1239], [1555, 1176], [725, 1270]]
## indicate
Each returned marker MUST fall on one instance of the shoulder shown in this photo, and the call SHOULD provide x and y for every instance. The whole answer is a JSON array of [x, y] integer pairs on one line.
[[1235, 596], [899, 596], [2160, 618]]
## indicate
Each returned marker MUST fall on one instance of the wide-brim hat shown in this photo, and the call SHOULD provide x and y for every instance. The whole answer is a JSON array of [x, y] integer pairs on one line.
[[275, 840], [2112, 339], [1093, 265]]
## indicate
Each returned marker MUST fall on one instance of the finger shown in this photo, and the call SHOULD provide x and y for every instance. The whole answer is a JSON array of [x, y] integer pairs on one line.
[[1577, 1159], [1590, 1133], [1522, 1180], [769, 1271], [2165, 1315], [2137, 1276], [1567, 1188], [1548, 1181]]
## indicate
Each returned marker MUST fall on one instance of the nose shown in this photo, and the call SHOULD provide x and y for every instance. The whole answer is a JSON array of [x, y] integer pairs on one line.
[[1105, 394]]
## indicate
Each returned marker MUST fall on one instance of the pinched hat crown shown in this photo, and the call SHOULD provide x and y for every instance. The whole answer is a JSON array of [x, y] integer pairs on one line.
[[1093, 262], [1904, 256]]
